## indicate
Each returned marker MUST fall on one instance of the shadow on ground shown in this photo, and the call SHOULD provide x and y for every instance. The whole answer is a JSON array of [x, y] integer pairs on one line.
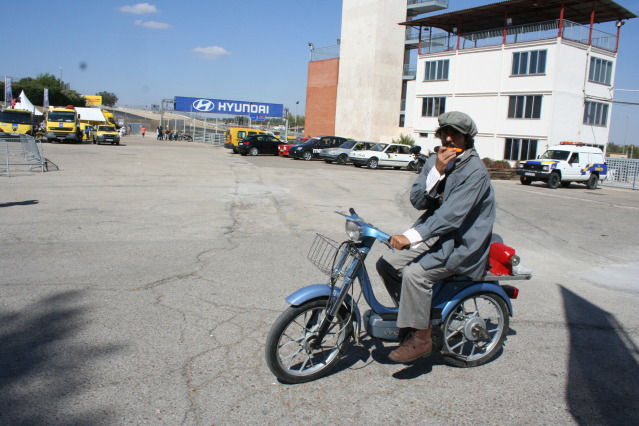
[[43, 369], [603, 372]]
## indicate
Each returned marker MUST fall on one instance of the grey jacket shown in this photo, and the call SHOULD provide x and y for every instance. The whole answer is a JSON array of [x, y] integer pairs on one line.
[[464, 220]]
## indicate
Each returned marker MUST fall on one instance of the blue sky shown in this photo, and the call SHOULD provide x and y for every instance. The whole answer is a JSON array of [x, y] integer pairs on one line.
[[251, 50]]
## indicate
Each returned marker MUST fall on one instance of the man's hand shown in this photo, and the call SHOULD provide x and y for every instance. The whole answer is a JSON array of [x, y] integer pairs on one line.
[[444, 156], [399, 242]]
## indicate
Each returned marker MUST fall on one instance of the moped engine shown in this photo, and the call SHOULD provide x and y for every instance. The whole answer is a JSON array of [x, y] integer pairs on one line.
[[386, 329], [380, 328]]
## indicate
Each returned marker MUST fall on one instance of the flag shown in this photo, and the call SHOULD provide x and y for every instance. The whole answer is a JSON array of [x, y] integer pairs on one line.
[[8, 93], [45, 102]]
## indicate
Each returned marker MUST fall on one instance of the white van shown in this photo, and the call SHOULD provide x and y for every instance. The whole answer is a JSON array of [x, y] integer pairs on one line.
[[565, 163]]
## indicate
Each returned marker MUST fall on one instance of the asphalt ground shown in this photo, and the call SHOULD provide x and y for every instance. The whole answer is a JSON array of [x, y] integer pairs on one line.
[[138, 284]]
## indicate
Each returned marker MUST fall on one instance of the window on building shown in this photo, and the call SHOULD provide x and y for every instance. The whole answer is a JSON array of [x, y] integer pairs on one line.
[[596, 114], [528, 63], [524, 106], [433, 107], [436, 70], [520, 149], [600, 70]]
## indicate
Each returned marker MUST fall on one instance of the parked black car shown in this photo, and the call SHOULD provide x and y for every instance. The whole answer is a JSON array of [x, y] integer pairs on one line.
[[312, 147], [259, 144]]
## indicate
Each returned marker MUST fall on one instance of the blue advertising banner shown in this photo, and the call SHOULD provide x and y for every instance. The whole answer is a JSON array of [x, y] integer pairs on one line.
[[220, 106]]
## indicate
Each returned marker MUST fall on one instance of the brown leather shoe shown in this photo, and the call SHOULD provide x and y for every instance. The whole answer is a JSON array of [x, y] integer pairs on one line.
[[418, 344]]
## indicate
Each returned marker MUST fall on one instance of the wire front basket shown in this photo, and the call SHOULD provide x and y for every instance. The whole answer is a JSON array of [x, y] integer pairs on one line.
[[329, 256]]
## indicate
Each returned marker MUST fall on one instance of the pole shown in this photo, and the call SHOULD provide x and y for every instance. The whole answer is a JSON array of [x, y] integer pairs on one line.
[[204, 129], [626, 132]]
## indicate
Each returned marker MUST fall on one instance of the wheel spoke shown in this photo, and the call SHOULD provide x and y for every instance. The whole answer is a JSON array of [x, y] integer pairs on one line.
[[290, 364], [472, 350], [478, 308], [461, 343]]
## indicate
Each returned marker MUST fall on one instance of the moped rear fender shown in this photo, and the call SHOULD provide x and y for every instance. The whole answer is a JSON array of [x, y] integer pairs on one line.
[[318, 291], [480, 287]]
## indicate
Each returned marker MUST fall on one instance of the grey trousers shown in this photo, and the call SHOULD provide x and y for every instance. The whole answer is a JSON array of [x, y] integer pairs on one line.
[[410, 284]]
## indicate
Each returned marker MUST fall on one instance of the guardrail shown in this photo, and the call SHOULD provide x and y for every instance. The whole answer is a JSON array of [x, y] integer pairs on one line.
[[20, 150]]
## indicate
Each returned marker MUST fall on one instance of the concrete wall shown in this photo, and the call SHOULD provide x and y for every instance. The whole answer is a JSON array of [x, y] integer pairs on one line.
[[321, 95], [370, 70]]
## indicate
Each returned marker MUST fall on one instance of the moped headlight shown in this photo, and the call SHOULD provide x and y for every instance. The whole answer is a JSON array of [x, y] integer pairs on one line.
[[353, 230]]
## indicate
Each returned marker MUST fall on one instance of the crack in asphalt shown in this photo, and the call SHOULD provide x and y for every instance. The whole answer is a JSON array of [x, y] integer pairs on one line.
[[247, 197]]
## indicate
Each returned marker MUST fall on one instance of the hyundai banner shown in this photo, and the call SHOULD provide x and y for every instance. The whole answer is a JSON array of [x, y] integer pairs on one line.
[[219, 106]]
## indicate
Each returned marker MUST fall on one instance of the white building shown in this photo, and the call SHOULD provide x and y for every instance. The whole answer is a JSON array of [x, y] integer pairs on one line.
[[530, 73]]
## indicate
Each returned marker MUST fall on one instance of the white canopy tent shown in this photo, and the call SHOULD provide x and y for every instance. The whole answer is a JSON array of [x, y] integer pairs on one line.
[[91, 114], [26, 104]]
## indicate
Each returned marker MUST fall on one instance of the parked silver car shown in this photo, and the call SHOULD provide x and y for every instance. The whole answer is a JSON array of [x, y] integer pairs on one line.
[[340, 153]]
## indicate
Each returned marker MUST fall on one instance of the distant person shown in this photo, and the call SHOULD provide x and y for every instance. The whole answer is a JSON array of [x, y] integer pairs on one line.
[[129, 130], [143, 130], [159, 133]]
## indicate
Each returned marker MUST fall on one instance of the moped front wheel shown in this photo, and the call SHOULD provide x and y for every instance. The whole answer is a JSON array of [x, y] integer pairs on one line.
[[292, 352], [475, 330]]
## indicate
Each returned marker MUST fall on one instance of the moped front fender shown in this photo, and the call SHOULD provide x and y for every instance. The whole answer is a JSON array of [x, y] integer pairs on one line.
[[318, 291], [480, 287]]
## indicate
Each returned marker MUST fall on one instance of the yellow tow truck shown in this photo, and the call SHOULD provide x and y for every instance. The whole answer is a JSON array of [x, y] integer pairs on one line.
[[16, 121], [62, 124]]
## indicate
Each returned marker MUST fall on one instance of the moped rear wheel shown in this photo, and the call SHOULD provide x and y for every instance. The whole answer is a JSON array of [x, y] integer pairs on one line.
[[290, 352], [475, 330]]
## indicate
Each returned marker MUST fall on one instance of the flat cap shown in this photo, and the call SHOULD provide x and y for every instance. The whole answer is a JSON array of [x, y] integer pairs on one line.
[[458, 121]]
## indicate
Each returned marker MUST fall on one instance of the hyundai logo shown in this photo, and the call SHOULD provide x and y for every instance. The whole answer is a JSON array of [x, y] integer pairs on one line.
[[204, 105]]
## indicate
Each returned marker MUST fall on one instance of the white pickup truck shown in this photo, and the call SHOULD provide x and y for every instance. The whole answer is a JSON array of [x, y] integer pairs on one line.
[[565, 163]]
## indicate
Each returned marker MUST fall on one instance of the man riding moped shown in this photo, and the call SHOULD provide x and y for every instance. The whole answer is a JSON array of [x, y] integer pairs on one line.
[[452, 237]]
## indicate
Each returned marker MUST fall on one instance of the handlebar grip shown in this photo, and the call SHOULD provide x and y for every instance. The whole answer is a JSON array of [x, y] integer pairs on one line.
[[351, 211]]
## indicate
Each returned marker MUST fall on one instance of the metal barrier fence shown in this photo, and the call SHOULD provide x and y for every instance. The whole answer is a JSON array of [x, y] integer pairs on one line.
[[210, 137], [622, 173], [20, 150]]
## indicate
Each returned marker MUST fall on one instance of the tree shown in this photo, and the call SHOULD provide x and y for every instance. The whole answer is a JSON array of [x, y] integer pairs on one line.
[[405, 140], [34, 89], [108, 99]]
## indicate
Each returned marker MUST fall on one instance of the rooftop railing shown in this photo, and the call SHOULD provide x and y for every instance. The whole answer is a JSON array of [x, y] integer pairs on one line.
[[410, 71], [323, 53], [441, 42], [443, 4]]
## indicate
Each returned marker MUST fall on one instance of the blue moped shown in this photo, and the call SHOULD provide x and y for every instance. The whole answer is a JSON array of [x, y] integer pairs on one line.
[[470, 319]]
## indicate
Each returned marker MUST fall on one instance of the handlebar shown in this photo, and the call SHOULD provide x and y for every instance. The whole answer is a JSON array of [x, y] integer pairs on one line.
[[378, 234]]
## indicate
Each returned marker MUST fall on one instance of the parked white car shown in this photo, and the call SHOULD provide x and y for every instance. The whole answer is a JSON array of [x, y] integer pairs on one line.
[[382, 154], [340, 154]]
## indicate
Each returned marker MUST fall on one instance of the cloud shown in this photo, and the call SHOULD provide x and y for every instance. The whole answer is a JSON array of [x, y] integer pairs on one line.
[[152, 24], [211, 52], [139, 9]]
